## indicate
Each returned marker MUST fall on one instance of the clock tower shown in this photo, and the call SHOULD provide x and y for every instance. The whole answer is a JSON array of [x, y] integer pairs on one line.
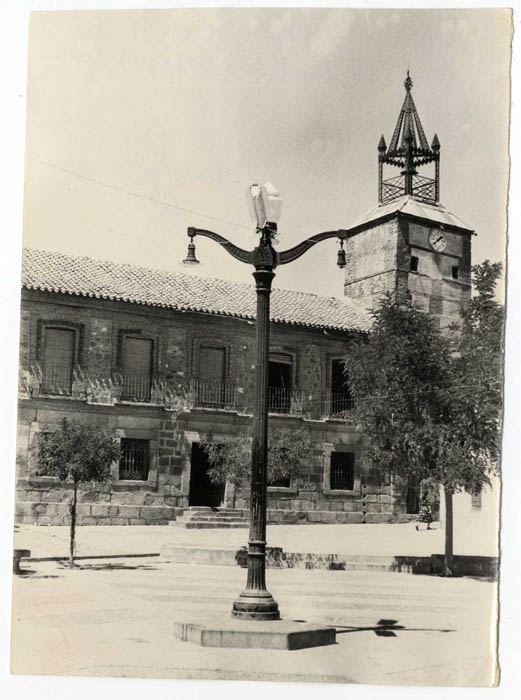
[[410, 244]]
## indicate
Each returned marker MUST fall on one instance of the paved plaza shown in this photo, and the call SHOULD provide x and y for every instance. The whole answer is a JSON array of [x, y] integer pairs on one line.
[[115, 617], [378, 539]]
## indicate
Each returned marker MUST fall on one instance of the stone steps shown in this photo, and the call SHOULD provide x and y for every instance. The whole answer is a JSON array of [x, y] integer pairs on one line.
[[212, 518], [197, 525], [200, 517]]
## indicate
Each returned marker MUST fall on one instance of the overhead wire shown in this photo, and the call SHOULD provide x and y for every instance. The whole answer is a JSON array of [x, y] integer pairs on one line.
[[137, 194]]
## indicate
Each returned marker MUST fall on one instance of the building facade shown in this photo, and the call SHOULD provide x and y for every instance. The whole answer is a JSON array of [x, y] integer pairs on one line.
[[165, 360]]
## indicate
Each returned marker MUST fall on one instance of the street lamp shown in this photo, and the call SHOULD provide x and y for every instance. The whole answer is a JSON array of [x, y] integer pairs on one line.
[[256, 602]]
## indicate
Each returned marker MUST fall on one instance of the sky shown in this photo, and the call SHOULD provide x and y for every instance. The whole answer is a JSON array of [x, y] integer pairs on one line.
[[142, 123]]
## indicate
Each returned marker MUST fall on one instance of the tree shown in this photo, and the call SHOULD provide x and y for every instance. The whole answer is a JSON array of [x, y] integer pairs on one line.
[[430, 403], [76, 454], [470, 445], [230, 462]]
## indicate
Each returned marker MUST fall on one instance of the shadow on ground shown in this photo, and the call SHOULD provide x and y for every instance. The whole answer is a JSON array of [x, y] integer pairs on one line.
[[32, 573], [385, 628], [111, 567]]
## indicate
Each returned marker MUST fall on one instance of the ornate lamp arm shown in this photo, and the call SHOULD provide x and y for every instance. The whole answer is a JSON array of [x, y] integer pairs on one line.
[[273, 258], [287, 256], [244, 256]]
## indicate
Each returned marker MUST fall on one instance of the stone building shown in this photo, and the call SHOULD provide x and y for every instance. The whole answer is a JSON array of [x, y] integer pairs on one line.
[[164, 359]]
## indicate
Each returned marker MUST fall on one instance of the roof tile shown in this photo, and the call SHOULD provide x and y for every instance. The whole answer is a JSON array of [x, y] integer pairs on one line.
[[82, 276]]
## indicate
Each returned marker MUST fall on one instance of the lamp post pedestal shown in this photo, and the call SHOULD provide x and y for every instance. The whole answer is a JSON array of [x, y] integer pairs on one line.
[[255, 602]]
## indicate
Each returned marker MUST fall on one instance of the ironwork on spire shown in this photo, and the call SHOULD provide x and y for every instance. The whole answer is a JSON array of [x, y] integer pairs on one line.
[[409, 149]]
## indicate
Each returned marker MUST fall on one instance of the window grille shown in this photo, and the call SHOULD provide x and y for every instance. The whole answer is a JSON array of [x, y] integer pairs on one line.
[[342, 471], [134, 460]]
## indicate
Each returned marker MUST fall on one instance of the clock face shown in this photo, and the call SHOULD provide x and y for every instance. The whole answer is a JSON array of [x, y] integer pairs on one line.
[[437, 241]]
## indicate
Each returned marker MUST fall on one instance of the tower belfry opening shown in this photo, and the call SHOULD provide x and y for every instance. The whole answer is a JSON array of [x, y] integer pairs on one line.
[[409, 150]]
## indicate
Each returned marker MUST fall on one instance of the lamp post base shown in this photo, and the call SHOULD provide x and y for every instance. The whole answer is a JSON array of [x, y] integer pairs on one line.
[[282, 634], [258, 605]]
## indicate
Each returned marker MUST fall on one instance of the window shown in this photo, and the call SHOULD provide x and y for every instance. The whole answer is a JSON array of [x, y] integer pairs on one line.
[[280, 374], [212, 389], [342, 472], [414, 263], [136, 367], [59, 345], [455, 272], [340, 398], [476, 501], [134, 460], [282, 482]]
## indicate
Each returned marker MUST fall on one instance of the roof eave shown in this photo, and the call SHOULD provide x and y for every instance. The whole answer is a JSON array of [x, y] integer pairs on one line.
[[407, 215], [178, 309]]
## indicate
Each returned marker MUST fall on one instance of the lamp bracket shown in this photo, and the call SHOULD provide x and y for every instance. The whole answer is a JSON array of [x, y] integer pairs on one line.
[[287, 256], [245, 256]]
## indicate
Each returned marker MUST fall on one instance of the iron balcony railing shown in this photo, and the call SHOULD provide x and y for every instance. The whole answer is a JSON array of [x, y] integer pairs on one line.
[[134, 387], [56, 379], [337, 405], [282, 400], [214, 394]]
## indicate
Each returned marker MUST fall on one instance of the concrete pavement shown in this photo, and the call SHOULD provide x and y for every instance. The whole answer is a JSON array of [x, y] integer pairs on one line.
[[116, 618]]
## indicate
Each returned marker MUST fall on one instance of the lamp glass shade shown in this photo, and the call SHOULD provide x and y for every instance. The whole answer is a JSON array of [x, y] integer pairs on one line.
[[265, 204], [272, 202]]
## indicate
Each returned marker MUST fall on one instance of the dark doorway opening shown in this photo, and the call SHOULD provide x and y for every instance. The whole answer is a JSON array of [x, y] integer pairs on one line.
[[413, 497], [340, 397], [202, 491], [280, 372]]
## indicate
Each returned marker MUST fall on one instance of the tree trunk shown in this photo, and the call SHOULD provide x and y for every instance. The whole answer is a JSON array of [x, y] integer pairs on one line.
[[73, 525], [449, 533]]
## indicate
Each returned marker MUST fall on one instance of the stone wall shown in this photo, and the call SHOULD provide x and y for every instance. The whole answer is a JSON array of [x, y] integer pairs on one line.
[[378, 261], [176, 337], [372, 262], [173, 427], [45, 501]]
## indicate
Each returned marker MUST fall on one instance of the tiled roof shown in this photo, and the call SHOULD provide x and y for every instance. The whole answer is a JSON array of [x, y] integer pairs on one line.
[[86, 277], [414, 207]]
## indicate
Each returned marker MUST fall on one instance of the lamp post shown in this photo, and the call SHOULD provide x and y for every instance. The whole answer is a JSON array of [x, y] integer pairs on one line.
[[255, 602]]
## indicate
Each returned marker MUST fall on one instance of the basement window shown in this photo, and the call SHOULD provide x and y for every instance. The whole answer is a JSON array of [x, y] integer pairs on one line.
[[414, 263], [342, 472], [455, 272], [134, 460]]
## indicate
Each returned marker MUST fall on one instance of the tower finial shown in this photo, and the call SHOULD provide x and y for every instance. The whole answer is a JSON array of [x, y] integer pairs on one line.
[[409, 150]]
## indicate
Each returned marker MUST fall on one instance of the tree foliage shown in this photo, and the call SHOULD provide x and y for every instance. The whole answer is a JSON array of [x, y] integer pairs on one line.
[[231, 461], [76, 453], [430, 402], [396, 376]]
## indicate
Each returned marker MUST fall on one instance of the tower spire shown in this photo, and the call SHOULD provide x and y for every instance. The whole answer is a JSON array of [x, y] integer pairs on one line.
[[409, 149]]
